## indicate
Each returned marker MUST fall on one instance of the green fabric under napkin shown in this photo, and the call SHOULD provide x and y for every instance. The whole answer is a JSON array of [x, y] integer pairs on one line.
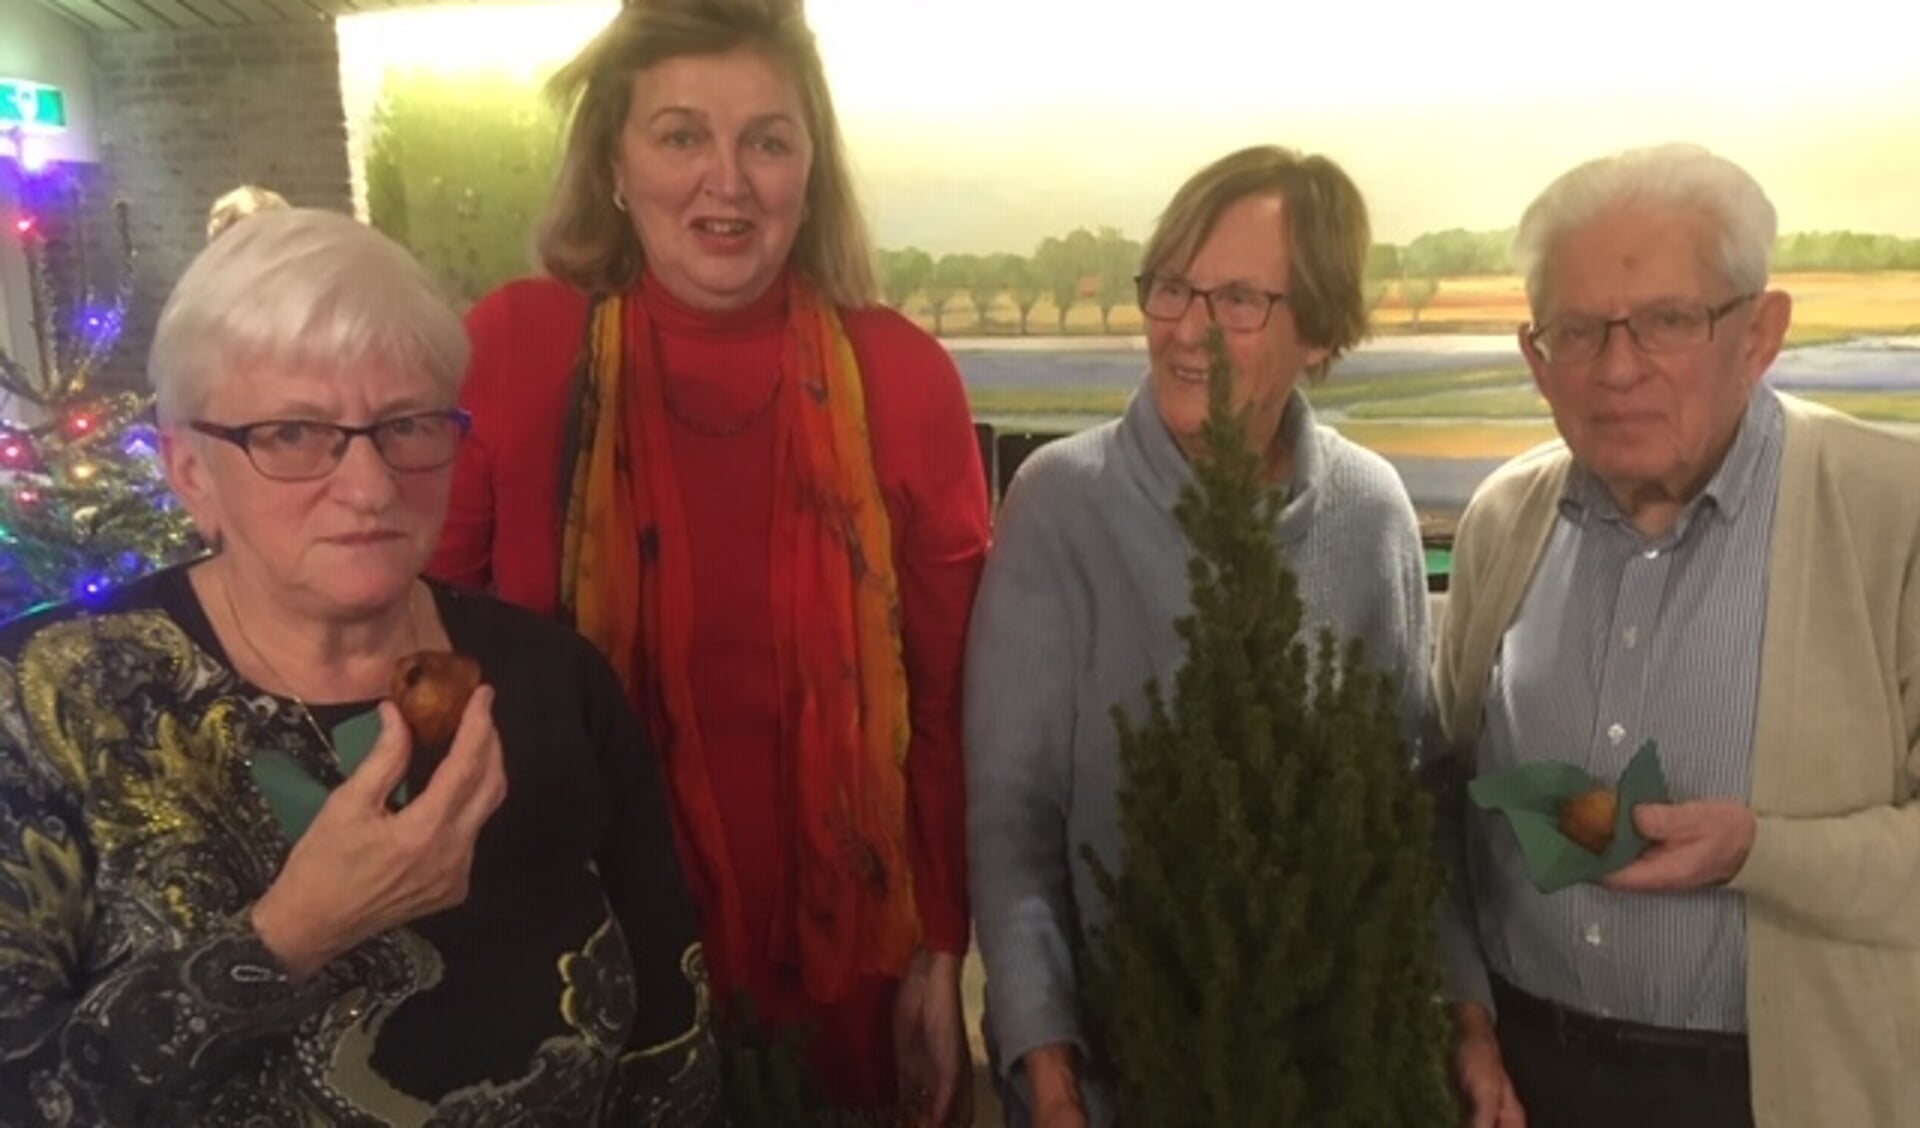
[[293, 793], [1530, 796]]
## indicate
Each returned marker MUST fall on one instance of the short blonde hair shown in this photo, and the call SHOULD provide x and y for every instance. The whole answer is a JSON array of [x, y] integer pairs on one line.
[[1327, 232], [306, 290], [1679, 175], [246, 200], [587, 242]]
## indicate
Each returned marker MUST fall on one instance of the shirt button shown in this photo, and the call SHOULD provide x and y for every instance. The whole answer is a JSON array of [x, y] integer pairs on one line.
[[1592, 935], [1630, 636], [1651, 554], [1616, 732]]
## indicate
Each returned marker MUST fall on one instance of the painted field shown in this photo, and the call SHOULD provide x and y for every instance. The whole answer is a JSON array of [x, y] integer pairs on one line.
[[1825, 305]]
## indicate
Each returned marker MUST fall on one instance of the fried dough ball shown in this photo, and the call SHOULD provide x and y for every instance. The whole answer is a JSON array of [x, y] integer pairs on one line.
[[431, 689]]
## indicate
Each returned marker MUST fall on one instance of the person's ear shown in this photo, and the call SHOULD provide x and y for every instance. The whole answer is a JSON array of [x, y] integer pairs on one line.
[[1536, 361], [1765, 334], [619, 182], [184, 458]]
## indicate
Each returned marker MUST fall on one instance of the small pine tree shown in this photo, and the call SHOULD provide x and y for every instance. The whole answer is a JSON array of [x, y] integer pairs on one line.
[[764, 1070], [1269, 954]]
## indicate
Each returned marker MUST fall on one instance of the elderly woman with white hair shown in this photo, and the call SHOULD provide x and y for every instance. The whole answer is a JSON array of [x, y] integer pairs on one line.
[[234, 886]]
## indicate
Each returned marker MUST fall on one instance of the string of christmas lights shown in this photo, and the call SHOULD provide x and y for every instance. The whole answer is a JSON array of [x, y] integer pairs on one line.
[[84, 503]]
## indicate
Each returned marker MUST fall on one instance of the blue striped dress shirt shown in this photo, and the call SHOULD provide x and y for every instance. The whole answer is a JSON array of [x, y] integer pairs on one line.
[[1622, 639]]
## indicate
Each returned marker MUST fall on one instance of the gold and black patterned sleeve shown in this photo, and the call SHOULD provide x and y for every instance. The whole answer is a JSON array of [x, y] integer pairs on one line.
[[110, 1011]]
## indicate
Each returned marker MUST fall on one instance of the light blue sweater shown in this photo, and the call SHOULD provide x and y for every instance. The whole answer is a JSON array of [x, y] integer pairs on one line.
[[1087, 577]]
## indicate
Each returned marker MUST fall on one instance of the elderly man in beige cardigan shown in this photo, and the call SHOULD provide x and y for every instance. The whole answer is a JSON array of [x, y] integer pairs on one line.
[[1732, 573]]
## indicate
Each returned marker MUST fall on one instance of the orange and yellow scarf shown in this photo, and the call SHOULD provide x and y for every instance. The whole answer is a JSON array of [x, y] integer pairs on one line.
[[627, 581]]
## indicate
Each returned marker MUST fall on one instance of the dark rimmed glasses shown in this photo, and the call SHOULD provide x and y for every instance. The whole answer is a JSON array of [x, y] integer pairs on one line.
[[1235, 306], [1664, 327], [300, 450]]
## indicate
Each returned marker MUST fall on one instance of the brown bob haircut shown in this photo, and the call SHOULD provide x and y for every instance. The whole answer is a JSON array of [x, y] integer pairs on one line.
[[1327, 235]]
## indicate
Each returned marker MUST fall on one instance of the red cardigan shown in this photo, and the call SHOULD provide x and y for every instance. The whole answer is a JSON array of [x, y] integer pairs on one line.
[[503, 532]]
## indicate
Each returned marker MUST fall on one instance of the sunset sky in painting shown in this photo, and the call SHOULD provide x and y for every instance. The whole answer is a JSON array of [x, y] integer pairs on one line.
[[985, 125]]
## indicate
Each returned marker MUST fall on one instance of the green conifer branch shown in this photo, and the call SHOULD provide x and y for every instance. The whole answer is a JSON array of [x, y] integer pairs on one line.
[[1268, 955]]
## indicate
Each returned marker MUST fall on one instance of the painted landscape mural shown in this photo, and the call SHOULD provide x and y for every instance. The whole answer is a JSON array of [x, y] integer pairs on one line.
[[1013, 157]]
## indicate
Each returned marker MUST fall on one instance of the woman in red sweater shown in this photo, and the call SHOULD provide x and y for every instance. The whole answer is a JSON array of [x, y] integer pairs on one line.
[[703, 443]]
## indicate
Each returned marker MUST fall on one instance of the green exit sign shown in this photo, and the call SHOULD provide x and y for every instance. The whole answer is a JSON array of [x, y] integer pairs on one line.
[[32, 106]]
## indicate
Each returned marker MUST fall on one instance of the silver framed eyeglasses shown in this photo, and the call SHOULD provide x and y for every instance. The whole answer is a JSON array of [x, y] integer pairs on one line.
[[1664, 327], [300, 450], [1235, 306]]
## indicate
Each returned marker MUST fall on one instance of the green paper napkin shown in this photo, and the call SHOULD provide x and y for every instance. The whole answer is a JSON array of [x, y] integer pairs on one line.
[[1530, 797], [293, 794]]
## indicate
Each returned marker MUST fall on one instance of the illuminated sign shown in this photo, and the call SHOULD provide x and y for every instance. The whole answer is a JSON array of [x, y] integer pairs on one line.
[[32, 107]]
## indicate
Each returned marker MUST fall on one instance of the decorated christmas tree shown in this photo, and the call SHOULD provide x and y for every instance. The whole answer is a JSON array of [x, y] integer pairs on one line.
[[84, 504], [1269, 955]]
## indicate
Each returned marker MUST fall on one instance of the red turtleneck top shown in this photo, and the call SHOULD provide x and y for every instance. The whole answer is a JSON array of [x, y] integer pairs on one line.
[[503, 531]]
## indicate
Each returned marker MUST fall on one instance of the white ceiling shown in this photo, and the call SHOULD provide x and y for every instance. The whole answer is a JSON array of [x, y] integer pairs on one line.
[[168, 15]]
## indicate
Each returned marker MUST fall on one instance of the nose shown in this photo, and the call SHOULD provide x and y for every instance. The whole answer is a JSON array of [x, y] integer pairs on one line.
[[726, 178], [363, 481], [1620, 363], [1194, 323]]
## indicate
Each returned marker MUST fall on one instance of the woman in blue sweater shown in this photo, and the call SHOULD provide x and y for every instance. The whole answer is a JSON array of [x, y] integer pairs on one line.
[[1088, 575]]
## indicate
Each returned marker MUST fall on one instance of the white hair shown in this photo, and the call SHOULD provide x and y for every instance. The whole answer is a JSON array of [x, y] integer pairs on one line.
[[302, 289], [246, 200], [1682, 175]]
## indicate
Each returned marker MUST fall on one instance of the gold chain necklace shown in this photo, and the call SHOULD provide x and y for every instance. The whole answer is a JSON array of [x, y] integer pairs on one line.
[[306, 711], [725, 430]]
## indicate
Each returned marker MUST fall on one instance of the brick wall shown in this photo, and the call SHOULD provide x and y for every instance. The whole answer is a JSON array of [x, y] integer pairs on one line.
[[187, 115]]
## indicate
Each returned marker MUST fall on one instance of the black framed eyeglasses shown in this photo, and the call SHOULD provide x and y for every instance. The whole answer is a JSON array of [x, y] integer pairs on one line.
[[1664, 327], [1235, 306], [300, 450]]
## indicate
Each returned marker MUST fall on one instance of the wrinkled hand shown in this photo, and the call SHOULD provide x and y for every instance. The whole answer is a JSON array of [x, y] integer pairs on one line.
[[1694, 845], [930, 1042], [1485, 1088], [1059, 1113], [1053, 1081], [362, 868]]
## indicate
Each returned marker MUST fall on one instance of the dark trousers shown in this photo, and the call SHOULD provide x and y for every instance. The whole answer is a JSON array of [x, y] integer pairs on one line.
[[1575, 1071]]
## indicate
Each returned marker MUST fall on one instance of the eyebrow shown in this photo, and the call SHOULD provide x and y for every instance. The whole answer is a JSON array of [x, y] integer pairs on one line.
[[1635, 307], [771, 117], [311, 411], [1229, 283], [300, 409]]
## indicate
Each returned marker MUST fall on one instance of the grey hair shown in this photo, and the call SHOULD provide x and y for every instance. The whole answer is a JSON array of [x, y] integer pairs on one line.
[[1676, 174], [302, 289]]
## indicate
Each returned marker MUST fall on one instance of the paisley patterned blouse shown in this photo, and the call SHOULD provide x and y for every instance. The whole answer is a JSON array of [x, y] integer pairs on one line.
[[568, 989]]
